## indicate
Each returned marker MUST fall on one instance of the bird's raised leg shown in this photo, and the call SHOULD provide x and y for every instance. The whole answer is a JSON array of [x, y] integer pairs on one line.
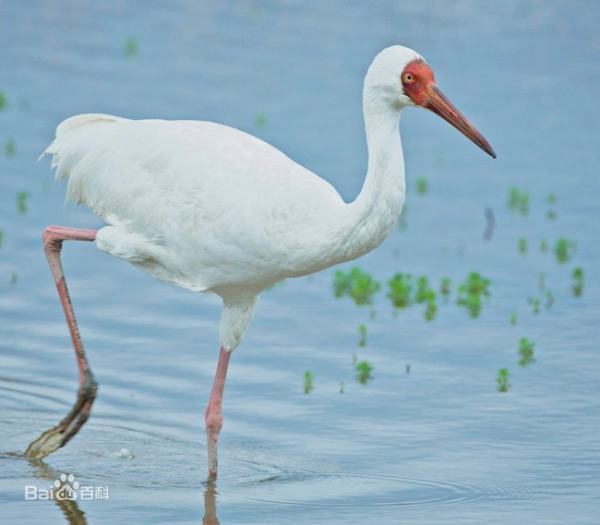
[[59, 435], [213, 416]]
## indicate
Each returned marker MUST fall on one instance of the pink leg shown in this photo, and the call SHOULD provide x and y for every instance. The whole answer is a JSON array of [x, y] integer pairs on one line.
[[60, 435], [213, 416]]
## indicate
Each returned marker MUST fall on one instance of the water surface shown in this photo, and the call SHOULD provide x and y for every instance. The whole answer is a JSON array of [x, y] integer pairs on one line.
[[438, 445]]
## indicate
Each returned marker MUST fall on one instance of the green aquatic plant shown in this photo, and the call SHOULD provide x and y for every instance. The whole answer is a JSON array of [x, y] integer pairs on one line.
[[445, 287], [400, 290], [431, 309], [503, 380], [308, 382], [1, 238], [9, 147], [551, 213], [526, 353], [364, 370], [577, 284], [261, 120], [22, 198], [131, 47], [425, 294], [356, 284], [471, 292], [362, 331], [563, 250], [3, 100], [513, 318], [535, 305], [522, 245], [422, 185], [518, 201]]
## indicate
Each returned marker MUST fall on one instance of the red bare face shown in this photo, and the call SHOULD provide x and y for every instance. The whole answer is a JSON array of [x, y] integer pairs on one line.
[[416, 78], [419, 85]]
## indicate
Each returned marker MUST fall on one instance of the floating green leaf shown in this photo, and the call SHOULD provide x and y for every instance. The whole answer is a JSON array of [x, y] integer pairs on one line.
[[522, 245], [471, 292], [3, 100], [518, 201], [503, 380], [422, 185], [577, 284], [362, 330], [526, 353], [22, 197], [364, 370], [563, 250], [535, 305], [357, 284], [308, 382], [446, 287], [430, 310], [400, 290]]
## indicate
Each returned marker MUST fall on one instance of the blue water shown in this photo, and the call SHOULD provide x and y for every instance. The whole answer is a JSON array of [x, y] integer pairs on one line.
[[437, 445]]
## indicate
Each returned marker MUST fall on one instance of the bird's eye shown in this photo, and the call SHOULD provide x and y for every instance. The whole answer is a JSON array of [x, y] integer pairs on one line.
[[408, 78]]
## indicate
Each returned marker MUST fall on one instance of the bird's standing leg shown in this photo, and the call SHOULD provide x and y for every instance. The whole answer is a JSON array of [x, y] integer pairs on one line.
[[60, 434], [213, 416]]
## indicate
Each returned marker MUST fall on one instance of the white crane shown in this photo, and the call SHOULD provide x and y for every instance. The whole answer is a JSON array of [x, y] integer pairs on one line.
[[213, 209]]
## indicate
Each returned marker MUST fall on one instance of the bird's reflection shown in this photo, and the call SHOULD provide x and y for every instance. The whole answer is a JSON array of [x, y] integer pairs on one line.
[[69, 507], [210, 504], [75, 516]]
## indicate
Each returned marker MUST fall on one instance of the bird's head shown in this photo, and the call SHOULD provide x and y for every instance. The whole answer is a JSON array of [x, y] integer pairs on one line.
[[400, 77]]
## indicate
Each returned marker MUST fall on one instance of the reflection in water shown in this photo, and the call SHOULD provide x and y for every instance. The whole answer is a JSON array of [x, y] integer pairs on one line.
[[75, 516], [70, 508], [210, 504]]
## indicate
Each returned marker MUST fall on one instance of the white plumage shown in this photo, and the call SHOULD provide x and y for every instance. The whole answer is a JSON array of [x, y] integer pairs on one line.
[[211, 208]]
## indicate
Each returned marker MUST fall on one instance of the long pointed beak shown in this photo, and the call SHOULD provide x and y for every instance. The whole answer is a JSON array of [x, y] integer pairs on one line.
[[437, 102]]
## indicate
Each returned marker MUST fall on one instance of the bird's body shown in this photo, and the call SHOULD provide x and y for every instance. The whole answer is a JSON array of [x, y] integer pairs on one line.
[[213, 209], [210, 208]]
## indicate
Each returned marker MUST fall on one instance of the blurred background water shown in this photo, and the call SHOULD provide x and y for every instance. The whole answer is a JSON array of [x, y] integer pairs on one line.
[[437, 445]]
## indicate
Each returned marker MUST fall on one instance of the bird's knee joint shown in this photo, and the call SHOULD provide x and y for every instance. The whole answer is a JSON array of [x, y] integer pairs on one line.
[[52, 242], [214, 423]]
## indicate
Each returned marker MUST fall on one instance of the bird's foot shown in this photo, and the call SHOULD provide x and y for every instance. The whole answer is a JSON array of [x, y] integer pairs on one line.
[[59, 435]]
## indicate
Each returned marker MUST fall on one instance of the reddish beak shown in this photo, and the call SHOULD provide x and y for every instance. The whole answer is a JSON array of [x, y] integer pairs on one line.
[[437, 102]]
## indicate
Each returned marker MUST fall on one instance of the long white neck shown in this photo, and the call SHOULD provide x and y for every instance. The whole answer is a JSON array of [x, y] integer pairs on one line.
[[369, 219]]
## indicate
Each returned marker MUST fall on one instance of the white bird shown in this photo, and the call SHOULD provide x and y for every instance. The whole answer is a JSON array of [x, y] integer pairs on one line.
[[213, 209]]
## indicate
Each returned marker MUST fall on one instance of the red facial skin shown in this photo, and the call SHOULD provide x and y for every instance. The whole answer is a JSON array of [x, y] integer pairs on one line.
[[419, 85], [416, 79]]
